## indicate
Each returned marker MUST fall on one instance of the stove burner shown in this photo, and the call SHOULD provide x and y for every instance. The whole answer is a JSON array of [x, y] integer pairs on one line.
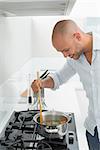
[[25, 117], [15, 134], [43, 146], [22, 133]]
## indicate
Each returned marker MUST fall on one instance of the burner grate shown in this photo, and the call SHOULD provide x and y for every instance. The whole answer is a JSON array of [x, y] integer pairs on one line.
[[42, 145], [22, 134]]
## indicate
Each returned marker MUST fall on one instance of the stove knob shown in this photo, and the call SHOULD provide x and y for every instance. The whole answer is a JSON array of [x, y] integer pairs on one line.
[[71, 140], [71, 137]]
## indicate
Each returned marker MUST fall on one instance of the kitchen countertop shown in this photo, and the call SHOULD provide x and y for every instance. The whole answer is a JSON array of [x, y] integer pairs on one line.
[[64, 99]]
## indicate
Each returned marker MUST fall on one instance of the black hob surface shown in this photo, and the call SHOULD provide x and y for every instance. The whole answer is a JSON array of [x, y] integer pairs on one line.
[[21, 133]]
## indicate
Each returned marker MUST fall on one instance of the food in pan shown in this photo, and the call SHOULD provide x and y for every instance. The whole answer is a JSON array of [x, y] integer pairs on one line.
[[54, 121]]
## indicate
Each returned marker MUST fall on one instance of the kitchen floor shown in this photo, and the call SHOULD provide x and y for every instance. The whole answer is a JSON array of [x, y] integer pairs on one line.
[[68, 98]]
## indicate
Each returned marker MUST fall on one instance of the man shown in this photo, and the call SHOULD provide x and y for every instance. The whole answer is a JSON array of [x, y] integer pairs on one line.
[[82, 51]]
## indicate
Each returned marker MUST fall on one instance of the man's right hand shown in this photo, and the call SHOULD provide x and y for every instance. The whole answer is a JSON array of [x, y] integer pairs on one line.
[[36, 85], [45, 83]]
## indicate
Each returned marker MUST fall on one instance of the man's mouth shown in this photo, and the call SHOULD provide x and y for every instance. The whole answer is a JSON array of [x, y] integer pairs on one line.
[[71, 56]]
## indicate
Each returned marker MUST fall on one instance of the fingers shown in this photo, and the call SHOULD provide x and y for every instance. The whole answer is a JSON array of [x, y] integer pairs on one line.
[[36, 85]]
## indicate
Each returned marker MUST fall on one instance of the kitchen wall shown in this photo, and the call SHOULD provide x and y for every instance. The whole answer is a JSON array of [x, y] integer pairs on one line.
[[15, 45], [41, 35]]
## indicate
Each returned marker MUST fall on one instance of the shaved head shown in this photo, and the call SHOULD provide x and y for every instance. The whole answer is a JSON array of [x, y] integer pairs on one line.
[[70, 40], [65, 27]]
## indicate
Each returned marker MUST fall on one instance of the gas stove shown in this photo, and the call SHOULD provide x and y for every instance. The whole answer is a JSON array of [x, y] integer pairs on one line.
[[21, 133]]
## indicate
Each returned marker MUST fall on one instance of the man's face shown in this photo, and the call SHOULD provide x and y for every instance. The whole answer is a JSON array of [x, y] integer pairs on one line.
[[68, 46]]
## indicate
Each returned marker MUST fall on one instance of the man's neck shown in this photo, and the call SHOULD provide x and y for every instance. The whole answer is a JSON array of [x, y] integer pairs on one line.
[[88, 52], [88, 56]]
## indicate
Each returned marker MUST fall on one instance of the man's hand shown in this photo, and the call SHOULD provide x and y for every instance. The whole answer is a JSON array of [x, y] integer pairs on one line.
[[36, 85], [44, 83]]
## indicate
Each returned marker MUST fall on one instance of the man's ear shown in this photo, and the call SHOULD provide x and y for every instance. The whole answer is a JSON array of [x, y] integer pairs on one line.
[[77, 35]]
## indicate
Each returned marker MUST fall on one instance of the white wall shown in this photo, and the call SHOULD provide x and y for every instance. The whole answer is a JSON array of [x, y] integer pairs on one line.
[[41, 35], [15, 45], [86, 8]]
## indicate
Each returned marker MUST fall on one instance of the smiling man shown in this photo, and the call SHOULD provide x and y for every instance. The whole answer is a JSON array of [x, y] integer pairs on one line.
[[82, 52], [71, 41]]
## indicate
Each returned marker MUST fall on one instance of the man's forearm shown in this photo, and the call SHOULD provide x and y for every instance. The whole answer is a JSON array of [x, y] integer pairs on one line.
[[47, 83]]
